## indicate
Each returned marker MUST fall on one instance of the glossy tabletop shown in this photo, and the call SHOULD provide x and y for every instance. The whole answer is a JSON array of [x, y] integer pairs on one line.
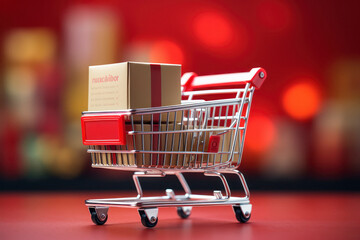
[[63, 215]]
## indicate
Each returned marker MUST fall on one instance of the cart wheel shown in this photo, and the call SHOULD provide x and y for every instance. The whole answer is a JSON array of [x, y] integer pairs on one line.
[[145, 221], [240, 215], [95, 218], [184, 212]]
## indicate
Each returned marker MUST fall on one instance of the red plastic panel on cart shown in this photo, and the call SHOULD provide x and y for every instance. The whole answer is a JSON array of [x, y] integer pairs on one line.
[[214, 144], [101, 130]]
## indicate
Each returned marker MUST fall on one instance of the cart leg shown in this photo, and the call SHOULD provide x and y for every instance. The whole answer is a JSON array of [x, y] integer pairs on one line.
[[242, 210], [242, 180], [183, 212], [218, 194], [183, 183], [136, 176]]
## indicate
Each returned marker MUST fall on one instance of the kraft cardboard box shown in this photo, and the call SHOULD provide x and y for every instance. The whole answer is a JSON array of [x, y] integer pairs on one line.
[[133, 85], [160, 142], [224, 146], [109, 159], [147, 142]]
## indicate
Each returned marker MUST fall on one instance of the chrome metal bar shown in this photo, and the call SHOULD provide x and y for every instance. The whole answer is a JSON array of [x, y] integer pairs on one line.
[[243, 182], [238, 122], [200, 133], [92, 155], [218, 126], [207, 113], [225, 122], [183, 183], [165, 201], [151, 138], [242, 179], [223, 179], [136, 176], [205, 92], [210, 133], [192, 135], [159, 141], [186, 137], [245, 125], [180, 138], [184, 131], [239, 92], [172, 138], [222, 102], [166, 136], [142, 140], [152, 152], [231, 132], [164, 109], [137, 186]]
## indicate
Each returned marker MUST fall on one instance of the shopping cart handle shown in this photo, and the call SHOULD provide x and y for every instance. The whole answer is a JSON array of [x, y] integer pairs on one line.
[[192, 82]]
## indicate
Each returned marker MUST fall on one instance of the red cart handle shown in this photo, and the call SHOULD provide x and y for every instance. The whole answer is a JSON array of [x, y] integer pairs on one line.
[[192, 82]]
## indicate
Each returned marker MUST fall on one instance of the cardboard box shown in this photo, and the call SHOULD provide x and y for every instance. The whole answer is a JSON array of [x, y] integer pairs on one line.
[[178, 142], [224, 146], [160, 142], [132, 85], [146, 142]]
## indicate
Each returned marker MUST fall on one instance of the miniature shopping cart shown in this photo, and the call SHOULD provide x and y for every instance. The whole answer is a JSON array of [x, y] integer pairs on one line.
[[205, 134]]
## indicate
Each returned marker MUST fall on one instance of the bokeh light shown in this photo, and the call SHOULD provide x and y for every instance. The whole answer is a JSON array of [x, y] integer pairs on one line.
[[330, 140], [213, 29], [274, 15], [165, 51], [302, 100], [217, 32], [287, 156], [260, 134], [30, 45]]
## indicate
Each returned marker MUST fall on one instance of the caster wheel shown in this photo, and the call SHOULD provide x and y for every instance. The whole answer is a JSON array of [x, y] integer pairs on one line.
[[95, 218], [240, 216], [183, 213], [145, 221]]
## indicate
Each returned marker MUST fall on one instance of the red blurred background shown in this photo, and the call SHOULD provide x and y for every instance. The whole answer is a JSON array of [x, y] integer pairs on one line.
[[304, 122]]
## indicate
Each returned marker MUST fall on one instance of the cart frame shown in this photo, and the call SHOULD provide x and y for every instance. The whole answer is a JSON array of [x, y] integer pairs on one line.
[[200, 116]]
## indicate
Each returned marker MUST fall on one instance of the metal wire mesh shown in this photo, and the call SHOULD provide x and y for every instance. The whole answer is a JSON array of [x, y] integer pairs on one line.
[[177, 137]]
